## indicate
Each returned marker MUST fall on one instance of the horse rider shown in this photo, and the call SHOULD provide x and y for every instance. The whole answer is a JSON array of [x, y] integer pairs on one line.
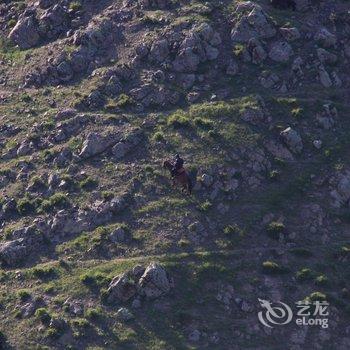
[[178, 164]]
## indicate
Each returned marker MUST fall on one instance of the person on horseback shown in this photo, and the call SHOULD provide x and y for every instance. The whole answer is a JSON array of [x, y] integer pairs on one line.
[[178, 164]]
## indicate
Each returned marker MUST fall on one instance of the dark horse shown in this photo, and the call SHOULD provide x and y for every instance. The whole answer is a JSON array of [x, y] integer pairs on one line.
[[182, 178]]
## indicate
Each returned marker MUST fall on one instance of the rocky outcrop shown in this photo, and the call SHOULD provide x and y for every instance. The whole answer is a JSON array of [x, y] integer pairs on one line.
[[25, 33], [250, 21], [151, 282], [154, 282]]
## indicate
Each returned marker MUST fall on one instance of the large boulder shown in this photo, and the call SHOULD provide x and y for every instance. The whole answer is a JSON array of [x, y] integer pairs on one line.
[[121, 289], [13, 252], [292, 139], [95, 144], [251, 22], [25, 33], [159, 50], [154, 282], [325, 37]]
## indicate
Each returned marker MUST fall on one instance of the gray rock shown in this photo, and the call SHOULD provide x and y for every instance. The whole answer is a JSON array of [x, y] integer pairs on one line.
[[13, 252], [292, 139], [154, 282], [159, 50], [120, 150], [280, 51], [64, 71], [251, 22], [207, 180], [96, 144], [325, 37], [124, 314], [65, 114], [121, 289], [317, 144], [24, 149], [232, 68], [136, 304], [269, 80], [324, 77], [186, 61], [290, 34], [25, 33], [302, 5], [194, 336], [118, 235], [257, 51], [326, 57]]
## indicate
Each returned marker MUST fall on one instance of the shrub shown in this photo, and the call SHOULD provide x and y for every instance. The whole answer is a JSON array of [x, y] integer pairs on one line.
[[94, 279], [297, 112], [158, 136], [25, 206], [238, 50], [43, 315], [75, 6], [53, 332], [107, 195], [11, 23], [317, 296], [23, 294], [80, 323], [88, 183], [124, 101], [205, 206], [183, 243], [2, 339], [274, 174], [203, 123], [179, 120], [44, 272], [321, 280], [233, 231], [270, 267], [304, 275], [301, 252], [58, 200], [94, 314], [274, 229]]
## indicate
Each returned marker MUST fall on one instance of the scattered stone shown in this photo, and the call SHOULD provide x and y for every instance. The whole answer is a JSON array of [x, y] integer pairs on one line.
[[280, 51], [207, 180], [317, 144], [290, 34], [194, 336], [125, 314], [325, 37], [292, 139], [118, 235]]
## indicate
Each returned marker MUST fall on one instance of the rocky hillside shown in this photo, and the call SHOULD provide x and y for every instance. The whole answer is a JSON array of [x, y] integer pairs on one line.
[[97, 249]]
